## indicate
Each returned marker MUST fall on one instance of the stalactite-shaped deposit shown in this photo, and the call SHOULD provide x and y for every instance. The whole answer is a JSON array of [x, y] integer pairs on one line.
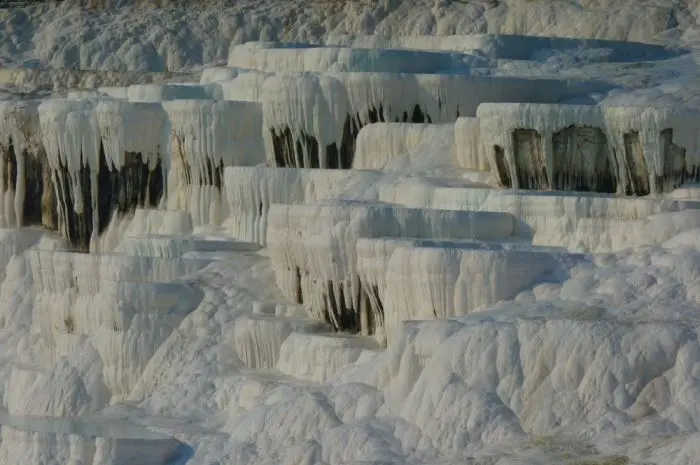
[[626, 150], [312, 121], [312, 248], [104, 159]]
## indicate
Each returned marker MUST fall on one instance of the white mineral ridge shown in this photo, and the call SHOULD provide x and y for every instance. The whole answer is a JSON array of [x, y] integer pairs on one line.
[[250, 191], [163, 92], [576, 221], [339, 59]]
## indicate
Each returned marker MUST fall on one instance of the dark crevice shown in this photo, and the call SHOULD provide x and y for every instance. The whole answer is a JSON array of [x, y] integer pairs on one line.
[[365, 312], [582, 161], [33, 190], [77, 226], [675, 171], [637, 170], [530, 162], [342, 317], [120, 191], [32, 181], [502, 167], [299, 298]]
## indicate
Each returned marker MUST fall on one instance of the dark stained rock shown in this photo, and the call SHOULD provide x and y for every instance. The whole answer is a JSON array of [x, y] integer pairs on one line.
[[121, 191]]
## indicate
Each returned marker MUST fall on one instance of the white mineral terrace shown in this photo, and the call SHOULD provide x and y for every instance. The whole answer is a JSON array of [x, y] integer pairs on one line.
[[388, 248]]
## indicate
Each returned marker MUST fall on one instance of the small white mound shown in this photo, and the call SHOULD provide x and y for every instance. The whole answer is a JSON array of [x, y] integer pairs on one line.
[[124, 304], [339, 59], [319, 357], [121, 93], [13, 242], [73, 386], [246, 87], [218, 74], [84, 95]]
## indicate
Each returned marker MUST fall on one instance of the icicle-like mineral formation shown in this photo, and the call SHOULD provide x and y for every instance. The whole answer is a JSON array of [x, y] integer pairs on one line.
[[26, 194], [625, 150], [204, 137], [312, 248], [104, 158], [312, 121]]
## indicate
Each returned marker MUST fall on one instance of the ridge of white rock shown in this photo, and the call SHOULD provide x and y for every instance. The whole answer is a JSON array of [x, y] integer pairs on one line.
[[583, 222], [341, 59], [510, 47], [250, 192]]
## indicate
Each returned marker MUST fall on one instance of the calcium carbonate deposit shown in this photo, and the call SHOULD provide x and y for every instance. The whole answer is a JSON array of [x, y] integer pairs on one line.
[[388, 232]]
